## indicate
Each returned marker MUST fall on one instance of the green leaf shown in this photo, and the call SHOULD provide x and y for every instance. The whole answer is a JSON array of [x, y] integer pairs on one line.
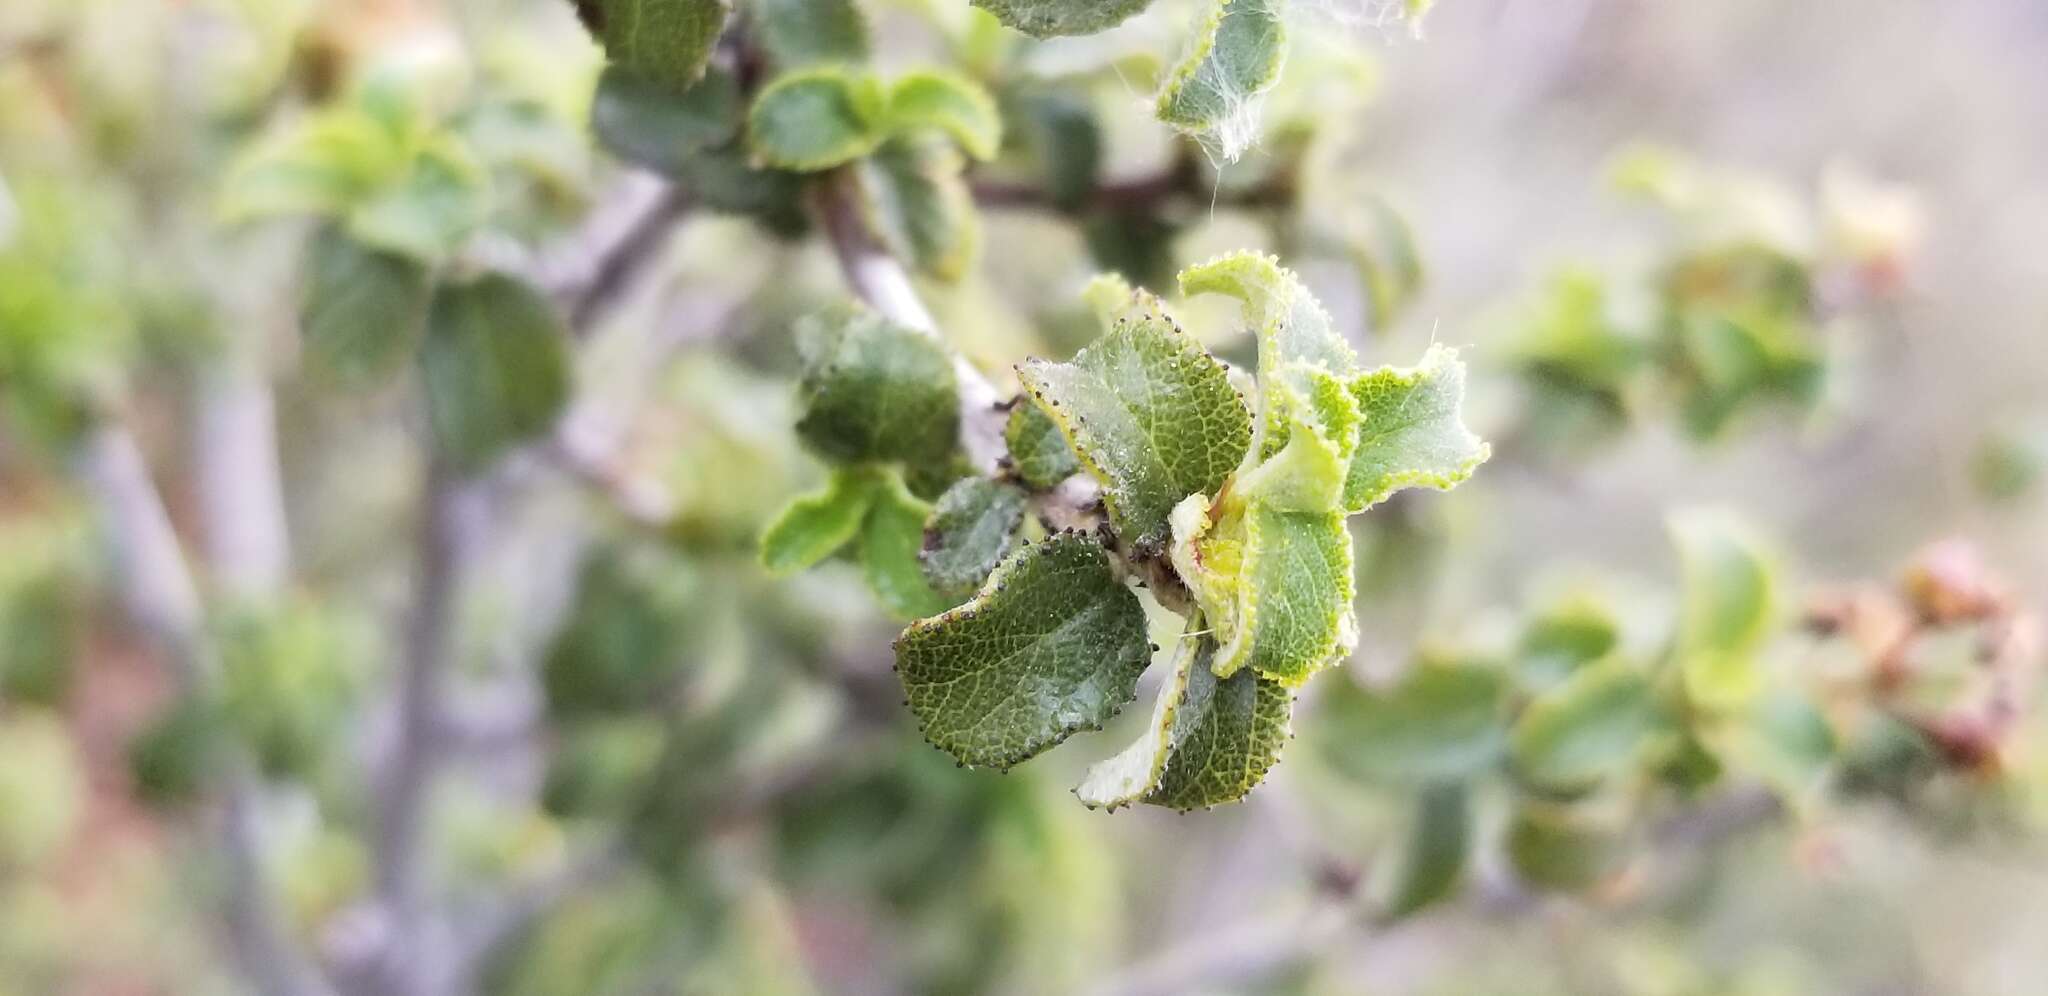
[[622, 647], [1785, 740], [724, 179], [1563, 847], [599, 768], [172, 759], [1226, 734], [915, 198], [495, 367], [1413, 435], [1050, 18], [1432, 860], [1292, 329], [1053, 643], [1583, 731], [801, 32], [42, 616], [667, 41], [1038, 451], [323, 166], [1152, 416], [286, 684], [890, 541], [817, 525], [874, 391], [363, 309], [442, 198], [951, 103], [1441, 722], [651, 125], [695, 138], [1213, 92], [1728, 609], [815, 119], [972, 528], [1564, 638], [1572, 346]]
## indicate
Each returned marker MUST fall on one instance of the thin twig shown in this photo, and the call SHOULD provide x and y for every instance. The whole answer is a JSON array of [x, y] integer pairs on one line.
[[588, 275], [1181, 181], [429, 638], [623, 261], [240, 485]]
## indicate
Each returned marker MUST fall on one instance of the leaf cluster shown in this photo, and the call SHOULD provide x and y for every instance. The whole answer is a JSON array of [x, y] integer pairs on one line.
[[1229, 509], [1744, 310]]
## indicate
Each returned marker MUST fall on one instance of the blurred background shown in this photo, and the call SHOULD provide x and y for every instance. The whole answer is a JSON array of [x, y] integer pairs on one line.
[[1779, 260]]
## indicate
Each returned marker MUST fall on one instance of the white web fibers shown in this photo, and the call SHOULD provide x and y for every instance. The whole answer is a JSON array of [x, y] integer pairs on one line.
[[1236, 128], [1386, 19]]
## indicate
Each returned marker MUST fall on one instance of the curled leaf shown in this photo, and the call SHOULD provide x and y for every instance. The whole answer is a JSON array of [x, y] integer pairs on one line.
[[1319, 422], [1293, 614], [1134, 772], [1213, 92], [1226, 734]]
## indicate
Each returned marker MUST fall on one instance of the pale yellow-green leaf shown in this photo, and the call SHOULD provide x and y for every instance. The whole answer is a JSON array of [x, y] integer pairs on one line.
[[951, 103], [1728, 609], [1412, 431], [890, 540], [815, 526]]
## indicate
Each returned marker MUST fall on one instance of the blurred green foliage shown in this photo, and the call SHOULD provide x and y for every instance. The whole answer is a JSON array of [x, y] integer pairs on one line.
[[360, 205]]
